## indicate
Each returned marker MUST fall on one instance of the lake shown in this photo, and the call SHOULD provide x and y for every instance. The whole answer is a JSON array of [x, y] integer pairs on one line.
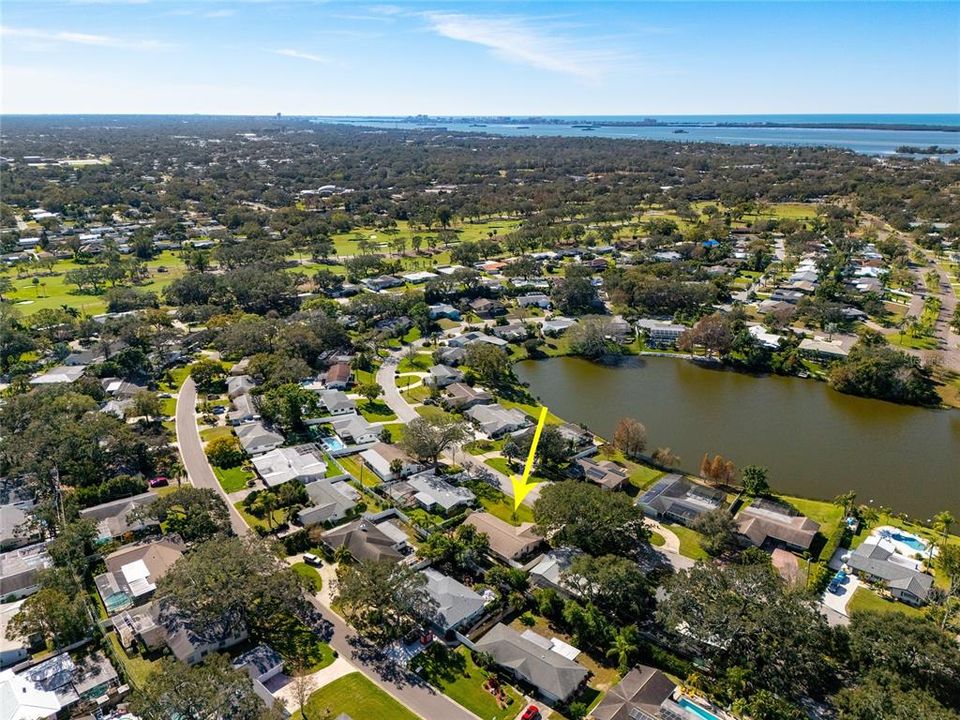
[[711, 128], [816, 442]]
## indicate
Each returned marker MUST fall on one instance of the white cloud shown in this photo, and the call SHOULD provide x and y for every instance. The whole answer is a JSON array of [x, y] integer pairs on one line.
[[520, 40], [77, 38], [288, 52]]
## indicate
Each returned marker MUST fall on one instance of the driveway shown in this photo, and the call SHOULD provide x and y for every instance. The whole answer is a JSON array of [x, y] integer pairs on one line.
[[192, 456]]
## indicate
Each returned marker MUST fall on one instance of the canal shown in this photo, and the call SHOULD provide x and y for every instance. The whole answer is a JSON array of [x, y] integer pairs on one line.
[[816, 442]]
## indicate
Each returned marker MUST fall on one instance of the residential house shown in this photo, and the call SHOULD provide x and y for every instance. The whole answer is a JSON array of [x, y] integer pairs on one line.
[[366, 541], [787, 296], [513, 332], [394, 326], [823, 349], [336, 402], [767, 522], [551, 568], [330, 502], [304, 463], [487, 308], [455, 605], [133, 572], [14, 650], [476, 336], [442, 375], [15, 528], [53, 687], [238, 385], [877, 561], [257, 439], [676, 498], [244, 410], [384, 282], [355, 430], [451, 355], [579, 438], [508, 542], [496, 420], [84, 357], [538, 300], [262, 664], [191, 641], [64, 374], [113, 521], [460, 396], [605, 473], [339, 376], [640, 695], [443, 310], [555, 676], [557, 325], [660, 333], [419, 276], [432, 493], [381, 457], [120, 389]]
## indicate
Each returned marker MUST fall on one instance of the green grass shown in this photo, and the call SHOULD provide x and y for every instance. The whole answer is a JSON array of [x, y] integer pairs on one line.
[[821, 511], [480, 447], [232, 479], [55, 291], [500, 505], [278, 517], [689, 542], [455, 673], [417, 394], [656, 539], [376, 411], [352, 464], [136, 667], [532, 410], [309, 574], [867, 600], [418, 363], [356, 696], [209, 434]]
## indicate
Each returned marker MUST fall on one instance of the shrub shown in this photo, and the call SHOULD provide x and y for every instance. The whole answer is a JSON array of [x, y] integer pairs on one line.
[[225, 452]]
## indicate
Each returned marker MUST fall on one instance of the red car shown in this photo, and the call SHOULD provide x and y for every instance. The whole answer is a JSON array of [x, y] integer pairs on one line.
[[531, 713], [158, 482]]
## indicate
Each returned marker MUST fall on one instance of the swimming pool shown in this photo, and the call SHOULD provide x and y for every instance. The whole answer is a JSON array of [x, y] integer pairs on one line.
[[910, 541], [694, 709], [332, 443]]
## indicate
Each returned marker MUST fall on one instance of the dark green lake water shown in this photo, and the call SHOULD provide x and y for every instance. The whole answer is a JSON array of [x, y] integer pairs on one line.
[[815, 441]]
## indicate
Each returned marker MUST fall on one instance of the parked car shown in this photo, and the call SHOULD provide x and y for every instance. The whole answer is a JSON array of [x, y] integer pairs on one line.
[[531, 713], [311, 559], [158, 481]]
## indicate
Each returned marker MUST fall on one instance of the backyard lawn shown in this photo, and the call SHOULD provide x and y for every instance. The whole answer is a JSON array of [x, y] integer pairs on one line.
[[455, 673], [500, 505], [279, 516], [357, 697], [232, 479], [136, 667], [353, 464], [826, 513], [376, 411]]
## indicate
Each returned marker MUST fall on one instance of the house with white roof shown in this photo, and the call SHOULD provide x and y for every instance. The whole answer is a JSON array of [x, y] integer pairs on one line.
[[432, 493], [381, 457], [303, 462], [257, 439], [330, 502], [59, 374]]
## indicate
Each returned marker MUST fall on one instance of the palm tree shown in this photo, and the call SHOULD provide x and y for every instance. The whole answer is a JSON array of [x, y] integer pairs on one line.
[[941, 523], [846, 501], [623, 647], [342, 555]]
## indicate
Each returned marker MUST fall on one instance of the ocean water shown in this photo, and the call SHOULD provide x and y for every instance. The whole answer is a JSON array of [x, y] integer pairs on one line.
[[877, 140]]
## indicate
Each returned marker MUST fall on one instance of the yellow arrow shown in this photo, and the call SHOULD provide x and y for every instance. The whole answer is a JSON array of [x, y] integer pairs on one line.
[[520, 485]]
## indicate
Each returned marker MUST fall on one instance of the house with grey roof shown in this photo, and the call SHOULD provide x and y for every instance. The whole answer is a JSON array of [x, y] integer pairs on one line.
[[644, 693], [244, 410], [877, 561], [660, 333], [383, 459], [555, 677], [432, 493], [336, 402], [15, 531], [476, 336], [454, 605], [113, 518], [676, 498], [330, 502], [366, 541], [539, 300], [62, 374], [238, 385], [557, 325], [355, 429], [605, 473], [191, 641], [442, 375], [19, 568], [496, 420], [512, 332], [551, 568], [257, 439]]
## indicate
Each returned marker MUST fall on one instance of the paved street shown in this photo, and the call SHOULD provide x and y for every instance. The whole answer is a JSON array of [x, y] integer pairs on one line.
[[194, 459]]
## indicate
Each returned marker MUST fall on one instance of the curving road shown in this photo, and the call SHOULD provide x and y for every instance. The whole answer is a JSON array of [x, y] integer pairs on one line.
[[407, 688]]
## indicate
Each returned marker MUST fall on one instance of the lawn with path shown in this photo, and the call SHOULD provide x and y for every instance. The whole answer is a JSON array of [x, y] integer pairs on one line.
[[455, 673]]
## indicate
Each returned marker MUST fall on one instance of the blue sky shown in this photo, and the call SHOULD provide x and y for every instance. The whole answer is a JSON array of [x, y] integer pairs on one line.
[[304, 57]]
